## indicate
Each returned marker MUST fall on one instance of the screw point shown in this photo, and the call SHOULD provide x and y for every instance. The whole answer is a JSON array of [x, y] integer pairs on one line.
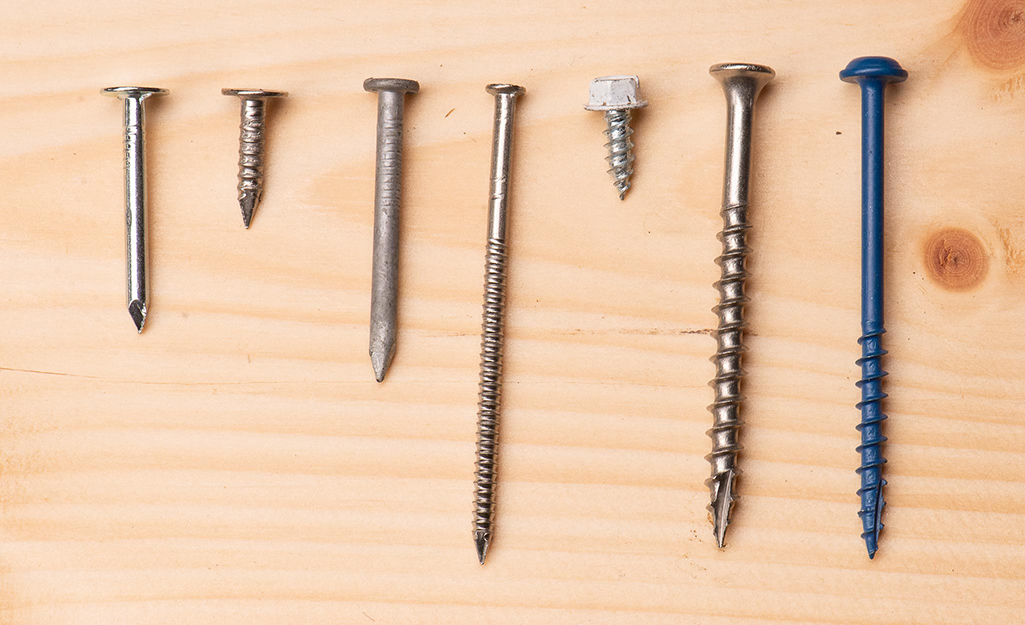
[[481, 541]]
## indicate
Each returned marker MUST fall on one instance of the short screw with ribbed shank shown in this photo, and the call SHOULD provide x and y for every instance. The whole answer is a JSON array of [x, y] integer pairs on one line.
[[384, 289], [741, 83], [136, 255], [617, 96], [872, 74], [252, 138], [493, 326]]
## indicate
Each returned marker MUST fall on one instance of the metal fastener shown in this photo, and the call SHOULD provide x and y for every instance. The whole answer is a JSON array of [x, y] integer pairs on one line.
[[384, 290], [493, 327], [741, 82], [616, 96], [872, 74], [136, 265], [251, 147]]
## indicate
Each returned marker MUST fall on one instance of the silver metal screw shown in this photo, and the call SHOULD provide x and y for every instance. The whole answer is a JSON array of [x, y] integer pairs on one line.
[[741, 82], [616, 96], [384, 290], [251, 147], [136, 266], [492, 332]]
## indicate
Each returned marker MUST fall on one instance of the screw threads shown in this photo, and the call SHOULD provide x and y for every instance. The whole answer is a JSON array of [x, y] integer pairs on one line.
[[490, 398], [872, 417], [620, 147], [728, 372], [250, 152]]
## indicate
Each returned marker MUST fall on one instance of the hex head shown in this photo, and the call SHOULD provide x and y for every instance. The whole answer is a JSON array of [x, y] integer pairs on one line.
[[615, 93], [133, 92], [401, 85], [254, 94]]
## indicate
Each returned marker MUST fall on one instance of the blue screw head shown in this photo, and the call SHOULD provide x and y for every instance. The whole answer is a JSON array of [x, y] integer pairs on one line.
[[881, 68]]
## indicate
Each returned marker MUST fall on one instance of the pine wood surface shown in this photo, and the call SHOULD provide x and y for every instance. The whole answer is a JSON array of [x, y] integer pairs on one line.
[[237, 463]]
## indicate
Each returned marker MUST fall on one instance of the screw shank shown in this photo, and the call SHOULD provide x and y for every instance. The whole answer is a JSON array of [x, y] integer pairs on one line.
[[740, 112], [872, 97]]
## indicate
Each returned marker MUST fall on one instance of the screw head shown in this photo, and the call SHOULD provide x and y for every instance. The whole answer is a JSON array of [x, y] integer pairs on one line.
[[615, 93], [133, 92], [725, 73], [879, 67], [253, 94], [505, 89], [402, 85]]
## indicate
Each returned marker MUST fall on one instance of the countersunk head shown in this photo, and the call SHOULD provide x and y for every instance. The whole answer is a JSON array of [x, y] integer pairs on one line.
[[727, 72], [504, 89], [254, 94], [879, 67], [133, 92], [402, 85], [615, 93]]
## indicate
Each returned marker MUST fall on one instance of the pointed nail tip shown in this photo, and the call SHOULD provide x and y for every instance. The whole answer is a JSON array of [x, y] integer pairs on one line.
[[138, 314], [381, 360]]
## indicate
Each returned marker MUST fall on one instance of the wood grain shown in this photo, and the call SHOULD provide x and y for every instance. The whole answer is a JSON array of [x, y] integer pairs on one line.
[[237, 463]]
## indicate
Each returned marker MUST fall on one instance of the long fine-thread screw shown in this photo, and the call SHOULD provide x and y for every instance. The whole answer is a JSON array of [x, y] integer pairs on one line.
[[492, 331], [617, 96], [872, 74], [741, 82], [384, 291], [252, 137], [136, 257]]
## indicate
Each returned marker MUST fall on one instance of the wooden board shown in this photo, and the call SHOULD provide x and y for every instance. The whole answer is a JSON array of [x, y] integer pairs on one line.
[[237, 463]]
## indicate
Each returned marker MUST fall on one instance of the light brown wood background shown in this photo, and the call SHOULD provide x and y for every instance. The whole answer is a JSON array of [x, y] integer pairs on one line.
[[237, 463]]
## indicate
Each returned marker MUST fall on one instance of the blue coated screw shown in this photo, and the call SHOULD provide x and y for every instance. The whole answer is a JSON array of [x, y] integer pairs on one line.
[[872, 74]]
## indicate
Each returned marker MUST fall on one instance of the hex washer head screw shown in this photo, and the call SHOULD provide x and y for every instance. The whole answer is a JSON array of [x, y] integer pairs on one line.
[[872, 74], [616, 96], [384, 289], [136, 265], [252, 138]]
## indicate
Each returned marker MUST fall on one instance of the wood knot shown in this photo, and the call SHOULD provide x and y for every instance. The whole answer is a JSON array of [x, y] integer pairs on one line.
[[956, 259], [994, 31]]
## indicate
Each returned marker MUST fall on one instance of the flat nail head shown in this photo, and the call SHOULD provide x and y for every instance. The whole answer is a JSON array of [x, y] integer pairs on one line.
[[254, 94], [878, 67], [401, 85], [133, 92], [503, 89]]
